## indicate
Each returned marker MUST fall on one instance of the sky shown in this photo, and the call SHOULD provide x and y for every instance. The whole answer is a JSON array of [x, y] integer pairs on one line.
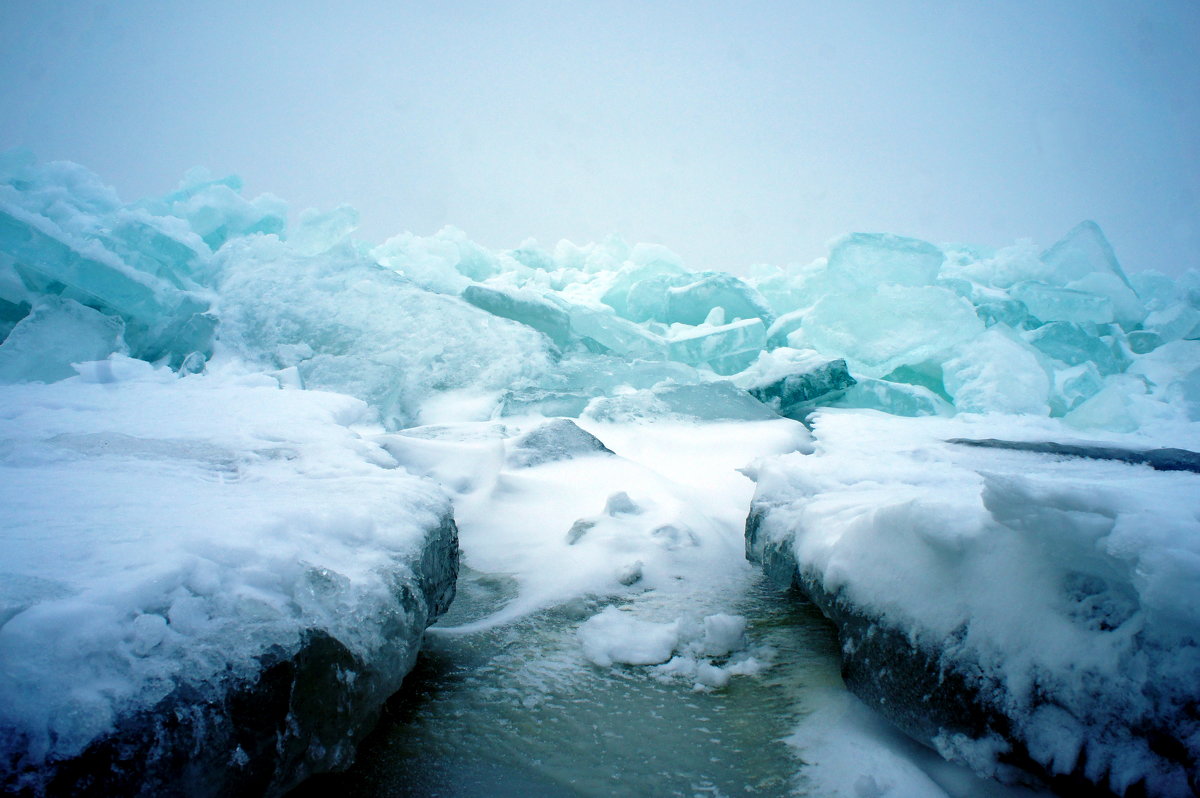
[[733, 133]]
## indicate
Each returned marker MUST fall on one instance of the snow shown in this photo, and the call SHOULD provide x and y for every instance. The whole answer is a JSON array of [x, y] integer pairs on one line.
[[163, 532], [1065, 579]]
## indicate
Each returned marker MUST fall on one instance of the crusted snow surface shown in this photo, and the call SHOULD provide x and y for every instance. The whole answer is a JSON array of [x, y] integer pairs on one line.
[[1071, 582], [163, 532]]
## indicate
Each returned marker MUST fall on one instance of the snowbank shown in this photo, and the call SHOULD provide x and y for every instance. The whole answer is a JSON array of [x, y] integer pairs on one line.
[[208, 581], [1008, 607]]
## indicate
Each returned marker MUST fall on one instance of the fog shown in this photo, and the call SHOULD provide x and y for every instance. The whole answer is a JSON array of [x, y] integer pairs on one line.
[[733, 133]]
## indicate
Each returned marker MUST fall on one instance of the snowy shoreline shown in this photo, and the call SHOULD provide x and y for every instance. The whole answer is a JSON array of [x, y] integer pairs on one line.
[[211, 582], [1006, 607]]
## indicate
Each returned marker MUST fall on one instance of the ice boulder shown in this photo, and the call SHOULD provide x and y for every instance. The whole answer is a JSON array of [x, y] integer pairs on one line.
[[794, 381], [896, 398], [690, 298], [878, 331], [211, 585], [350, 325], [551, 441], [524, 306], [718, 400], [56, 333], [1024, 606], [216, 211], [997, 372], [872, 259], [163, 316]]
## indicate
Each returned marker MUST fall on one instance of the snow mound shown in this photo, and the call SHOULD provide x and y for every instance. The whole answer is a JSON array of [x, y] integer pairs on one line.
[[1051, 595], [168, 539]]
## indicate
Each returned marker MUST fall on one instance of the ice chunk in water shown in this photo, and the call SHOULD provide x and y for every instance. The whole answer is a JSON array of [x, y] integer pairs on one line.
[[793, 381], [57, 333], [618, 637], [871, 259]]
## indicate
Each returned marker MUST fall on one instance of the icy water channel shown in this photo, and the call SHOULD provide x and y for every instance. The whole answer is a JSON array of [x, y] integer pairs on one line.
[[504, 700], [516, 710]]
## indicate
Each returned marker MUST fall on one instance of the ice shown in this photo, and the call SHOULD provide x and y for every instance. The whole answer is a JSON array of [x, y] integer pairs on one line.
[[616, 637], [372, 333], [215, 210], [683, 647], [709, 344], [872, 259], [1074, 386], [557, 439], [1066, 583], [690, 301], [1050, 303], [645, 263], [616, 334], [793, 381], [1074, 346], [1081, 253], [896, 398], [446, 262], [320, 232], [160, 318], [55, 334], [1174, 322], [472, 361], [719, 400], [997, 372], [524, 306], [163, 536], [895, 325]]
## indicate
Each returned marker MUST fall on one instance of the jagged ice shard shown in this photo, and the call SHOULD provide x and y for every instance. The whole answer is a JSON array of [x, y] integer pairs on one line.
[[193, 358]]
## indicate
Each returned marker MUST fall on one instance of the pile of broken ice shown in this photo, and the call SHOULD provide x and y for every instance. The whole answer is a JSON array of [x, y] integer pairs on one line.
[[117, 320]]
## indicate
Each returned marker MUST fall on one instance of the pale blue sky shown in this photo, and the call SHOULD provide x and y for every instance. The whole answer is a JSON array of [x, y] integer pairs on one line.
[[734, 133]]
